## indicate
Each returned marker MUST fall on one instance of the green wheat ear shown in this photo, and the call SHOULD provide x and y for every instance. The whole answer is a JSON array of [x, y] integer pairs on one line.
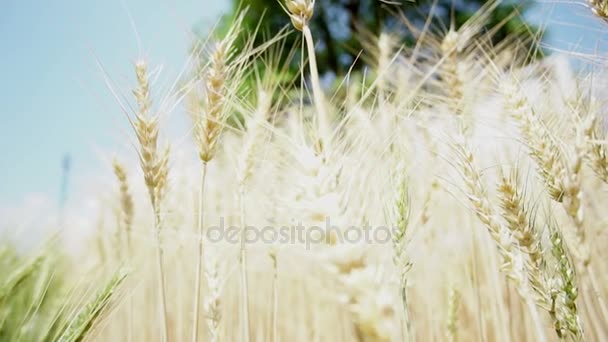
[[78, 328], [18, 276]]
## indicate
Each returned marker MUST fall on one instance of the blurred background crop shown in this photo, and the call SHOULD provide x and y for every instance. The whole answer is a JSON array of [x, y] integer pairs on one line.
[[57, 114]]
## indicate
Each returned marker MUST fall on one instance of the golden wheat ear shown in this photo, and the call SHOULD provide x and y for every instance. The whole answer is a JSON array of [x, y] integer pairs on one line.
[[599, 8], [300, 12], [126, 199], [221, 76], [516, 213], [154, 163], [541, 144]]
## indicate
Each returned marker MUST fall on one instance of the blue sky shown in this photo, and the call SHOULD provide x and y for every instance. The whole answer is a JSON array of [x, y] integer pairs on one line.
[[52, 97], [571, 26]]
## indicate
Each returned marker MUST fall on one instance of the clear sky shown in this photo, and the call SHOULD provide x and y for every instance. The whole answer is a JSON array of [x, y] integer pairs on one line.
[[52, 97], [53, 100], [571, 26]]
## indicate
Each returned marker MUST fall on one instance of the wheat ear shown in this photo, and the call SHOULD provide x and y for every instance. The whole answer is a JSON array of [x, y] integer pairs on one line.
[[155, 167], [598, 155], [452, 316], [565, 292], [209, 120], [126, 201], [525, 233], [213, 303], [573, 197], [17, 276], [83, 322], [401, 260], [562, 180], [542, 148], [477, 195], [385, 54], [253, 137], [528, 240], [599, 8], [449, 70]]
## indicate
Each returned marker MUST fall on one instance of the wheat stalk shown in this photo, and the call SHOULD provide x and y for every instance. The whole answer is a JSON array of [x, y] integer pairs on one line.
[[155, 168], [252, 139], [300, 12], [126, 219], [199, 266], [209, 122], [275, 295]]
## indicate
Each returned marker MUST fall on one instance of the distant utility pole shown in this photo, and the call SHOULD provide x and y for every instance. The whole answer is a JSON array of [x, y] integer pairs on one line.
[[65, 173]]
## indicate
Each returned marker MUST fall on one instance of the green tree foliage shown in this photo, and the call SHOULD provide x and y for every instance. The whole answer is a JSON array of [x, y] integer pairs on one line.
[[337, 24]]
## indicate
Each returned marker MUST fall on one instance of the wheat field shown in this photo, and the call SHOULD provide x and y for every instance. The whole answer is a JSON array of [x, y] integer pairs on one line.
[[452, 192]]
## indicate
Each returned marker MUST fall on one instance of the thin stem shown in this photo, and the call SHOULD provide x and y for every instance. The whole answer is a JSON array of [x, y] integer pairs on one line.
[[275, 299], [324, 130], [595, 287], [131, 305], [591, 326], [475, 280], [199, 264], [161, 275], [406, 314], [243, 267], [538, 325]]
